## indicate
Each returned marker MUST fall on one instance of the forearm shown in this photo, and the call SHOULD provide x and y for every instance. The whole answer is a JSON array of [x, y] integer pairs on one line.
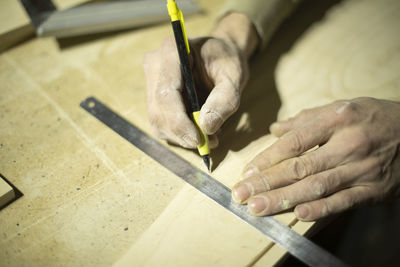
[[265, 15], [238, 29]]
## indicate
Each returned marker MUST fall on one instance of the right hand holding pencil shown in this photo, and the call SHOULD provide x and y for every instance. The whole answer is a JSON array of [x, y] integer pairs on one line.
[[220, 71]]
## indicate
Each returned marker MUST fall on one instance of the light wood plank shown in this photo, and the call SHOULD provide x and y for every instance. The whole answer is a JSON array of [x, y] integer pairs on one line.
[[83, 185], [6, 193], [14, 24]]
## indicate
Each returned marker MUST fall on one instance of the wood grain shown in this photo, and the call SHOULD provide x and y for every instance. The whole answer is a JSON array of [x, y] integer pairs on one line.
[[90, 197]]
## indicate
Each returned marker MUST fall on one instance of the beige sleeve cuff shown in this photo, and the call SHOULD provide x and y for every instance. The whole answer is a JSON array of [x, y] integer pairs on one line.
[[266, 15]]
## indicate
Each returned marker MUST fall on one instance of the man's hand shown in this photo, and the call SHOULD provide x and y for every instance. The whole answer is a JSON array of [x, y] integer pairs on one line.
[[357, 160], [220, 72]]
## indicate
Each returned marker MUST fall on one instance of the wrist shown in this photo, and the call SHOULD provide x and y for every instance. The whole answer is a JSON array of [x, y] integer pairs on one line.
[[238, 29]]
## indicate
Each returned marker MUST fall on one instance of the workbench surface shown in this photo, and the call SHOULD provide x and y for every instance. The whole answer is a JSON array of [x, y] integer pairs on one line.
[[90, 197]]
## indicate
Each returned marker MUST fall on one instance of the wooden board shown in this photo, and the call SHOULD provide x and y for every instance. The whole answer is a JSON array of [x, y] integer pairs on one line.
[[88, 194], [90, 197], [6, 193], [13, 15], [14, 24], [345, 56]]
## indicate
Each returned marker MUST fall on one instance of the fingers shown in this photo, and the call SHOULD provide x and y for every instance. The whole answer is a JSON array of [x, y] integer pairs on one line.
[[290, 145], [340, 112], [228, 72], [336, 203], [304, 117], [219, 63], [333, 154], [285, 173], [297, 135], [222, 102], [166, 109], [309, 189], [345, 171], [314, 188]]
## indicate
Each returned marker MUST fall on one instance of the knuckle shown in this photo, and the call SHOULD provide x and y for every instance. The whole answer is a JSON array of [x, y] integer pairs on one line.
[[295, 143], [260, 161], [283, 202], [234, 103], [264, 179], [278, 201], [326, 209], [161, 94], [229, 94], [349, 201], [352, 108], [177, 125], [347, 111], [359, 141], [377, 166], [298, 168], [164, 94], [318, 188], [157, 129], [303, 114], [332, 179]]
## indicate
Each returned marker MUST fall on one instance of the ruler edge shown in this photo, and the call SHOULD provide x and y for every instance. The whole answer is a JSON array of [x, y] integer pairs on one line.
[[337, 261]]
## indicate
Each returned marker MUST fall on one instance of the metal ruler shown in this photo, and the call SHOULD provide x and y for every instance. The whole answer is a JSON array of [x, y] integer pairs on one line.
[[297, 245], [99, 16]]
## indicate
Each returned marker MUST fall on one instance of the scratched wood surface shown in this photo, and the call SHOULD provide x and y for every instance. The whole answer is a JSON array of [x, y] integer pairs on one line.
[[90, 197], [15, 24], [88, 194]]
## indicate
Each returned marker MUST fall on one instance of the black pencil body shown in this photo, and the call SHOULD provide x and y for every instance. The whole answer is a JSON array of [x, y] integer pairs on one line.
[[185, 67]]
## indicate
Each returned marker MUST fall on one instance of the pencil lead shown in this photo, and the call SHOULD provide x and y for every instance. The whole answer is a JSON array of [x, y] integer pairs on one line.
[[206, 159]]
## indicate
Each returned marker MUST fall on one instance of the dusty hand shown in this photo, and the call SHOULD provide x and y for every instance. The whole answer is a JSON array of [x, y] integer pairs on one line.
[[220, 72], [357, 161]]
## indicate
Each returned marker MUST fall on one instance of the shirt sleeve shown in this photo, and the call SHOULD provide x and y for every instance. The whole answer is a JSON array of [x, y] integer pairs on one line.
[[266, 15]]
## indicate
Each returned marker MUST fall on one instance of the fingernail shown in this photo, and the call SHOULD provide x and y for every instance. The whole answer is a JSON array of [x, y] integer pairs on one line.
[[258, 204], [176, 84], [242, 192], [302, 211], [250, 171]]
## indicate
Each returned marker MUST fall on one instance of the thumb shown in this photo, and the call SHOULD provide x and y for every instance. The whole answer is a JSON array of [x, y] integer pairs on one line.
[[222, 102]]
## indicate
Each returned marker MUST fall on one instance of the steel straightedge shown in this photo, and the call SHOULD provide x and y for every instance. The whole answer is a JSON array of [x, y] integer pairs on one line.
[[97, 17], [297, 245]]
